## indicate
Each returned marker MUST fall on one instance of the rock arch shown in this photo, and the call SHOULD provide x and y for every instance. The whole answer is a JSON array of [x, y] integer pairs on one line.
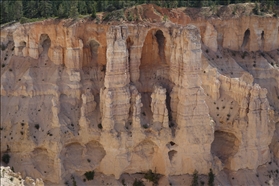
[[153, 51], [154, 70]]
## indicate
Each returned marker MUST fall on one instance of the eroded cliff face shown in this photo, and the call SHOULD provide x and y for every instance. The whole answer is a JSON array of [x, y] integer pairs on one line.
[[123, 99]]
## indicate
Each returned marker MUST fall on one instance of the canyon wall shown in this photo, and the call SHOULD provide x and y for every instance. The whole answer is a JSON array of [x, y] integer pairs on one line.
[[125, 98]]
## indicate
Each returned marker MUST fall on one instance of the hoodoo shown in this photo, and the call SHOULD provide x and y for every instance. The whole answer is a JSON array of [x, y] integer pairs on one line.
[[169, 93]]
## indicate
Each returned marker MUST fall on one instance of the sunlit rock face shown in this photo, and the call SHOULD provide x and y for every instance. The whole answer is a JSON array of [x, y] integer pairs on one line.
[[127, 98]]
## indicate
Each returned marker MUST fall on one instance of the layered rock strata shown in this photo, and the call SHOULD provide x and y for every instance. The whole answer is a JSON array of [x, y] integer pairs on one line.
[[78, 96]]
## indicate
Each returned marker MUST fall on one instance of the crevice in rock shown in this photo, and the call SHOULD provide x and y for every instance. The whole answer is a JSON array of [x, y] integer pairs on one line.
[[168, 102], [262, 41], [129, 43], [246, 39], [146, 113]]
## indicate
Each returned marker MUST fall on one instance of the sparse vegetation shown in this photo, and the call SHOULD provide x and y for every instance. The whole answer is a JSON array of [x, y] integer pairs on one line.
[[153, 177], [100, 126], [211, 178], [3, 47], [130, 16], [74, 181], [195, 179], [202, 183], [123, 182], [138, 183], [89, 175], [165, 18], [115, 15], [6, 158], [145, 126], [257, 10], [244, 54]]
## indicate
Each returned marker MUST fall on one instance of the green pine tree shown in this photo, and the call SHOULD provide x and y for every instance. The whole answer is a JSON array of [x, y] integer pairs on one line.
[[61, 11], [82, 9], [4, 11], [17, 12], [93, 15], [211, 178], [45, 8], [73, 10], [195, 179], [31, 9]]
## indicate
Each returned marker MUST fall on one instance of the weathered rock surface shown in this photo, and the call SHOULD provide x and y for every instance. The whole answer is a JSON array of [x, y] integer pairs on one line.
[[126, 98], [9, 177]]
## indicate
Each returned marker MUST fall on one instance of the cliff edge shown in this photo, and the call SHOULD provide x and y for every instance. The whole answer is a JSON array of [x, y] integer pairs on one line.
[[173, 95]]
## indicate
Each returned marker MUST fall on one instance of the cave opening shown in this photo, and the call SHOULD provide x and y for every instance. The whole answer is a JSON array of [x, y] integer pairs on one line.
[[246, 39], [225, 145], [154, 70], [45, 43], [21, 46]]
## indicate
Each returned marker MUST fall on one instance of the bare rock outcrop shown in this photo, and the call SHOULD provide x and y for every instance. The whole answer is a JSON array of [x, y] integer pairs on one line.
[[125, 98], [9, 177]]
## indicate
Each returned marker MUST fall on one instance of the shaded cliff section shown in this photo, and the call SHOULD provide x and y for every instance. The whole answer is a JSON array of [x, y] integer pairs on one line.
[[165, 97]]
